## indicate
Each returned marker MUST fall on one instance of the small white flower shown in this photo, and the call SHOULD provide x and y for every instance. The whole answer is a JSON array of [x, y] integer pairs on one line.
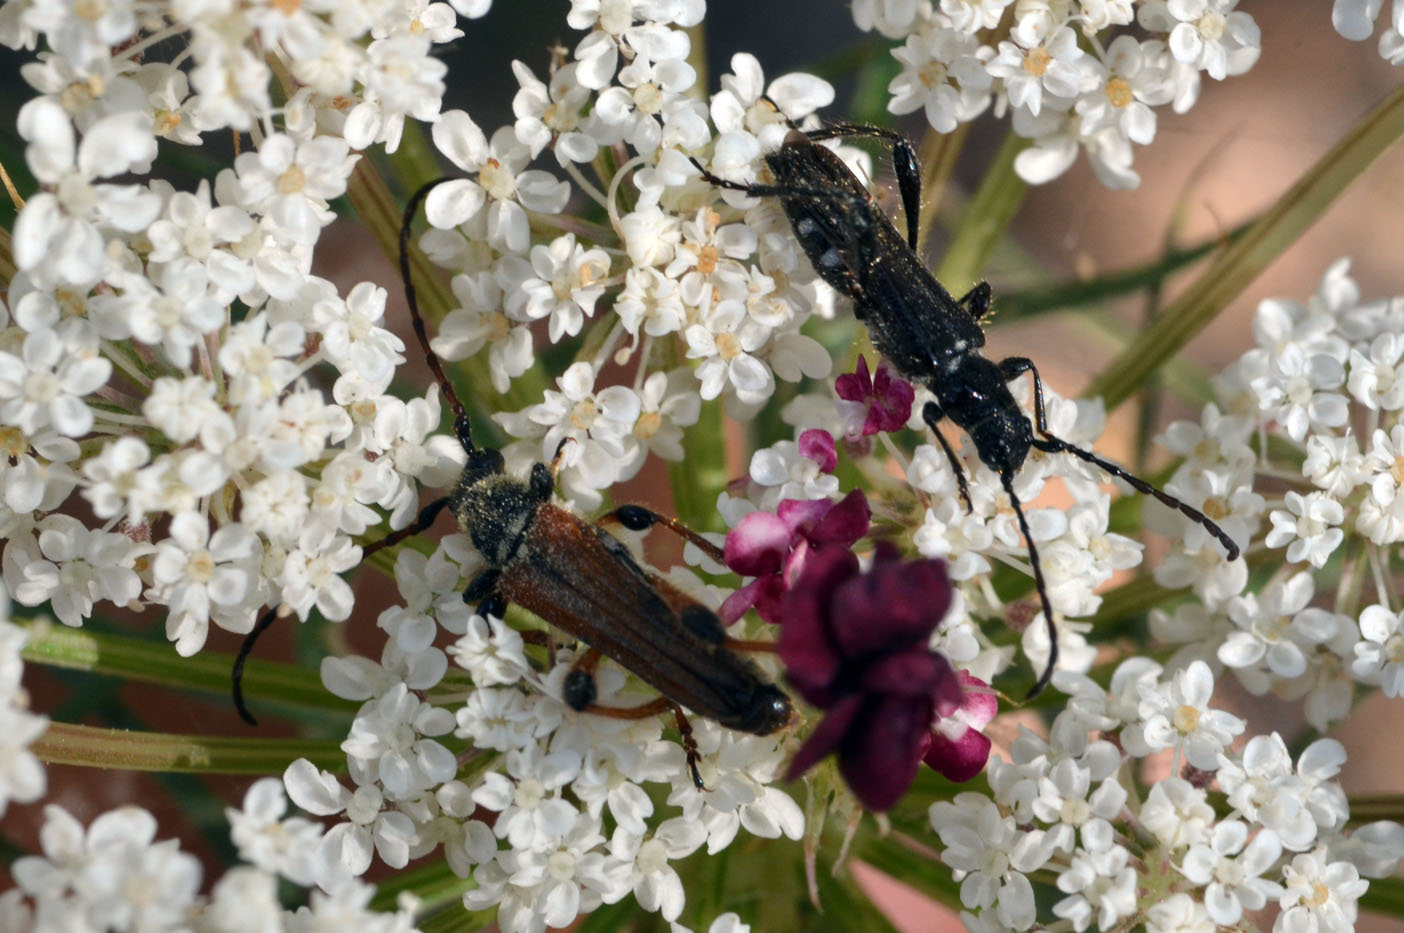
[[944, 73], [198, 572], [1379, 657], [1178, 813], [115, 874], [1052, 65], [58, 236], [1208, 34], [530, 809], [1102, 882], [285, 847], [1266, 790], [22, 776], [46, 383], [1230, 866], [1320, 895], [499, 183], [1377, 380], [1178, 913], [1308, 527], [566, 281], [990, 855], [391, 742], [726, 342], [1298, 391], [1177, 715]]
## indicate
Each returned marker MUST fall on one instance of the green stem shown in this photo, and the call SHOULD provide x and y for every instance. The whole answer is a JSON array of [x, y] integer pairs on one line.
[[1075, 294], [1367, 808], [701, 474], [154, 662], [1246, 258], [91, 747], [986, 218], [939, 154]]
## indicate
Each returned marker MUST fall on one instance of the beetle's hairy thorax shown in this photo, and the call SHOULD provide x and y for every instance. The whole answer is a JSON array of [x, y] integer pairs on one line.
[[495, 512]]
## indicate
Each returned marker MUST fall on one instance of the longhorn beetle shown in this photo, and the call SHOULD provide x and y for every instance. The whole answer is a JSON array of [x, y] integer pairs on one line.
[[584, 581], [929, 337]]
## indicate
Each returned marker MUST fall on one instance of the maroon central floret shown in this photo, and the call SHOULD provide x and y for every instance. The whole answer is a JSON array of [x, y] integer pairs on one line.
[[855, 645]]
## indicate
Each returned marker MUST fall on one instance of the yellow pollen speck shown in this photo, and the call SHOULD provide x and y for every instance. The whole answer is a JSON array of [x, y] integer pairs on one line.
[[72, 301], [1119, 92], [587, 276], [76, 96], [362, 411], [728, 347], [1320, 895], [1215, 508], [165, 121], [647, 425], [416, 28], [1212, 25], [12, 442], [201, 566], [1396, 469], [1037, 62], [583, 415], [496, 181], [707, 260], [90, 10], [932, 74], [648, 97], [1185, 720], [286, 7], [291, 181]]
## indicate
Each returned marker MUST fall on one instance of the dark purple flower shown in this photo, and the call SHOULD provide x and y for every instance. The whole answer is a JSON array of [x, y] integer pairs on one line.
[[773, 548], [855, 645], [879, 403]]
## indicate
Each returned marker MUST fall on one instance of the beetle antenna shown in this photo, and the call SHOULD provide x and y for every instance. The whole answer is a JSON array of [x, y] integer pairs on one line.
[[245, 649], [1053, 444], [1006, 479], [460, 416]]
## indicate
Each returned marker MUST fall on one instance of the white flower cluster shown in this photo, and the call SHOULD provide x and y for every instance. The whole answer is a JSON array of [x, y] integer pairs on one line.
[[1317, 411], [116, 875], [160, 351], [1073, 75], [176, 330], [1160, 857], [546, 855], [668, 266]]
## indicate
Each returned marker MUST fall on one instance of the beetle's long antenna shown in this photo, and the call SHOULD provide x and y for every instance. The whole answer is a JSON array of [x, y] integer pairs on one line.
[[1007, 480], [1053, 444], [461, 423], [245, 649]]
